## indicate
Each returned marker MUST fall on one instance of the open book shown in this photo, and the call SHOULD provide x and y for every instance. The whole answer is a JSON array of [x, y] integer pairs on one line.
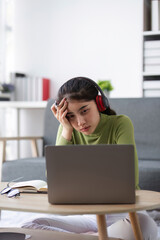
[[31, 186]]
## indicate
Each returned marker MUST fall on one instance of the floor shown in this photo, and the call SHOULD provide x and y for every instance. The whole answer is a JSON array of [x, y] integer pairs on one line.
[[15, 219]]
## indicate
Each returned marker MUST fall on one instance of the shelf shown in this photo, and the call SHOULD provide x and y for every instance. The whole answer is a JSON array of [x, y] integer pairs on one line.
[[22, 104], [150, 79], [151, 74], [150, 89], [151, 33]]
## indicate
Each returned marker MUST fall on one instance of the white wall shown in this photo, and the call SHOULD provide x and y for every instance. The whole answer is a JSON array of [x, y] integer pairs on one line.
[[2, 42], [61, 39], [100, 39]]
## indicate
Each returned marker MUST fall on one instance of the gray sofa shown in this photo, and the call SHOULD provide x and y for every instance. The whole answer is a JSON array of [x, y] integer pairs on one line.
[[145, 115]]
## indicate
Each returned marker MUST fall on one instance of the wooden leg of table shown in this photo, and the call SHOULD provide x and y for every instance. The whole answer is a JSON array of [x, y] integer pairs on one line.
[[135, 226], [102, 228]]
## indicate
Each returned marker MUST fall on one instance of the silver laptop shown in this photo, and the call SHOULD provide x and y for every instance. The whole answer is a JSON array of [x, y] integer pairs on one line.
[[90, 174]]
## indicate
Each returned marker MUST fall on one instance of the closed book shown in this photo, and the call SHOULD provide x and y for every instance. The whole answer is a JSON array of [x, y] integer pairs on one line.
[[152, 93], [29, 88], [46, 89], [34, 88], [5, 96], [151, 84], [155, 15], [151, 60], [19, 88], [39, 89], [20, 83], [152, 68], [151, 52], [152, 44], [12, 79], [24, 89]]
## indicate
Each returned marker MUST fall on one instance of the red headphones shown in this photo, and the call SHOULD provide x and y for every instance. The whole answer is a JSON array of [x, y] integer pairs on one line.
[[100, 104], [101, 100]]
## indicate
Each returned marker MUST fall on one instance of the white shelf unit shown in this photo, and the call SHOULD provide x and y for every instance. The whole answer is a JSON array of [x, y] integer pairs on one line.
[[19, 106], [23, 104], [151, 55]]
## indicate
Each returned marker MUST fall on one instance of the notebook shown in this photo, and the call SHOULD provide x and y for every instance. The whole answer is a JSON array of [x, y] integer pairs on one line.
[[90, 174]]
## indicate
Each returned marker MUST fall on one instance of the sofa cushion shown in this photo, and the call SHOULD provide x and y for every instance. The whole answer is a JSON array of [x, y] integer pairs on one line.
[[50, 125], [149, 174], [28, 168], [145, 115]]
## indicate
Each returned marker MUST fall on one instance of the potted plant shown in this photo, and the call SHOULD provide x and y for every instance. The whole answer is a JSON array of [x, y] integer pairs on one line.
[[106, 86], [6, 90]]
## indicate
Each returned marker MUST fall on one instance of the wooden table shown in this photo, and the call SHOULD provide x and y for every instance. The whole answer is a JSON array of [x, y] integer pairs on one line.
[[33, 202]]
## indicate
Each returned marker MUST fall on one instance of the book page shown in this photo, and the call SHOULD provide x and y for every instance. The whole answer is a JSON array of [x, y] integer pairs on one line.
[[38, 185]]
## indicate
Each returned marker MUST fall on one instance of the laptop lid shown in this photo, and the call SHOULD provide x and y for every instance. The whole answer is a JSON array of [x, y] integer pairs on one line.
[[90, 174]]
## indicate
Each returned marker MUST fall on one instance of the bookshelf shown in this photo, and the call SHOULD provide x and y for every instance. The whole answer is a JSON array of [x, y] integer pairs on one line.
[[19, 105], [23, 105], [151, 50]]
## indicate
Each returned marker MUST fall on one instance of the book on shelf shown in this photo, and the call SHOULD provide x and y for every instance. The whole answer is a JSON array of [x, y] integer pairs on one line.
[[152, 60], [148, 52], [151, 84], [45, 88], [31, 186], [21, 88], [5, 96], [4, 99], [152, 68], [152, 93], [28, 88], [155, 15], [20, 83], [152, 44], [40, 89]]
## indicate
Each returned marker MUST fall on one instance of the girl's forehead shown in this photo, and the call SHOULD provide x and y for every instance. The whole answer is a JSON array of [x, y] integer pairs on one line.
[[75, 105]]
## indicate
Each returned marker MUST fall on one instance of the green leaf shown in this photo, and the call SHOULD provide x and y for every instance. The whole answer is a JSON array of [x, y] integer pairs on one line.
[[105, 85]]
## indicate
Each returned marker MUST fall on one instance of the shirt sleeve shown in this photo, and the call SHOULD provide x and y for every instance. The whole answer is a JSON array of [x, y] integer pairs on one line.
[[60, 140], [125, 135]]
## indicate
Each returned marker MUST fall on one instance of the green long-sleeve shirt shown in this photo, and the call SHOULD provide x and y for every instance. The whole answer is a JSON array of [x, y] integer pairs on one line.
[[114, 129]]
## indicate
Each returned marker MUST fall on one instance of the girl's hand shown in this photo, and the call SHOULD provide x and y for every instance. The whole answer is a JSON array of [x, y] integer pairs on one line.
[[60, 112]]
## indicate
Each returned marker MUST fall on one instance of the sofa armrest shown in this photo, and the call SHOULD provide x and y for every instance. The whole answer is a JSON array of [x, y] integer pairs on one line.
[[33, 140]]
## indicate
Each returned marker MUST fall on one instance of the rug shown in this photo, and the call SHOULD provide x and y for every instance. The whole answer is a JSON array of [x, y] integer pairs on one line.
[[15, 219]]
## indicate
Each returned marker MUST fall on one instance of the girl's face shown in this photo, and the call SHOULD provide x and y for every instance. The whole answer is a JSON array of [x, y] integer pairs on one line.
[[83, 116]]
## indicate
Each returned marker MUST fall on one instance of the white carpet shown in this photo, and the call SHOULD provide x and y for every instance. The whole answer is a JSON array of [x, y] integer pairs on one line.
[[156, 217], [15, 219]]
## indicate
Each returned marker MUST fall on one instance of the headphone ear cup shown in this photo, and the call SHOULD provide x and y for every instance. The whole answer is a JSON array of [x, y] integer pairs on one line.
[[100, 104]]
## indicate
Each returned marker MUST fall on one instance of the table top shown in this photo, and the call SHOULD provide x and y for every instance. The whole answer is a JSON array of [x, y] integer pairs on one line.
[[38, 202]]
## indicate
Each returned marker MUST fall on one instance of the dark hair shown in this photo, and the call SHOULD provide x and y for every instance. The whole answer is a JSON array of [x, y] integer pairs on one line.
[[80, 88]]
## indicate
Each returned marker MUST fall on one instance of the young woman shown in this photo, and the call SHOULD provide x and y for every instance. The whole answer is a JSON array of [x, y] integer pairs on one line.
[[86, 118]]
